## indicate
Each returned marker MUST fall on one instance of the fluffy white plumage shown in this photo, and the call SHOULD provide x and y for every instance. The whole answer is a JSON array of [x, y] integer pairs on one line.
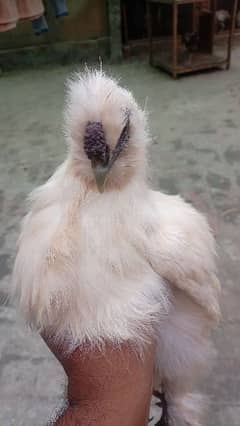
[[127, 264]]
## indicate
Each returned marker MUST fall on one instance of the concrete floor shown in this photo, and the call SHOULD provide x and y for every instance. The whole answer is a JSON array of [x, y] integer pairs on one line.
[[195, 123]]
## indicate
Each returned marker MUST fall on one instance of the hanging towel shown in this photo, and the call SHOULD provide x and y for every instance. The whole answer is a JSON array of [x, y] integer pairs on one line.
[[8, 15], [30, 9], [60, 8]]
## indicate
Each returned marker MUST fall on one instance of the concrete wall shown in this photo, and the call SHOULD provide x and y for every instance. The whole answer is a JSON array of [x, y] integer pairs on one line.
[[87, 20]]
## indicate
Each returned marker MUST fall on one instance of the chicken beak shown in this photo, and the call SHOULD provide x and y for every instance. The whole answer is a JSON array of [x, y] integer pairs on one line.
[[100, 173]]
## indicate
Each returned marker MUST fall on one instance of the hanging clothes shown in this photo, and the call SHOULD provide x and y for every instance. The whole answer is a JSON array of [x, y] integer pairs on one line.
[[8, 15], [40, 25], [11, 11], [60, 8], [30, 9]]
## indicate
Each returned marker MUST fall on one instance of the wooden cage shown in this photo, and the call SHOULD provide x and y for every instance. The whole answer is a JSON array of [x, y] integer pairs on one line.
[[134, 22]]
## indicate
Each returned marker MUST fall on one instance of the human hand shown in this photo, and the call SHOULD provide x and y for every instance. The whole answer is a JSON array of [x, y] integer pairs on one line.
[[106, 387]]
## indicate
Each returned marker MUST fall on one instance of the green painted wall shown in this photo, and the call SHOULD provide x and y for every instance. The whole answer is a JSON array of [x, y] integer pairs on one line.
[[88, 19]]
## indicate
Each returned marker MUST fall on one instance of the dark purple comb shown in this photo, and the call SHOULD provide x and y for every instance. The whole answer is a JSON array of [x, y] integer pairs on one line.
[[95, 145]]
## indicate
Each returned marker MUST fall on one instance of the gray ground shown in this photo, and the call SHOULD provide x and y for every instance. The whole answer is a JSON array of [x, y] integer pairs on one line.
[[195, 124]]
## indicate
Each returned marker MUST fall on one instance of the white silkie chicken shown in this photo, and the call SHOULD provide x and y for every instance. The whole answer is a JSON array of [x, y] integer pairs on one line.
[[102, 257]]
